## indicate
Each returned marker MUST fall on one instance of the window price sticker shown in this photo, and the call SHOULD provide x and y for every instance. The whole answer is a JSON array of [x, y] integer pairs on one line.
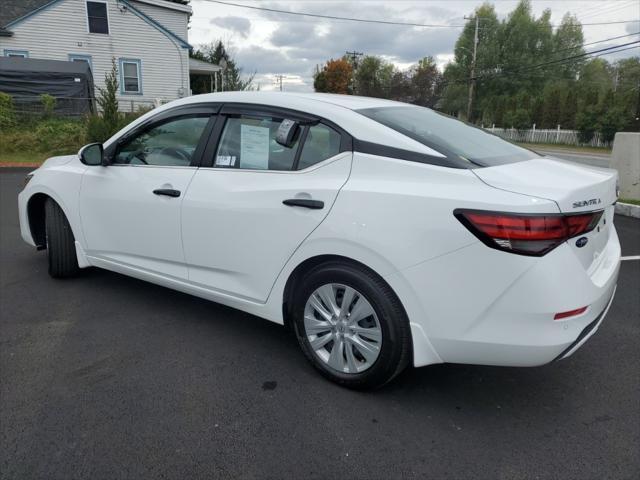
[[225, 160]]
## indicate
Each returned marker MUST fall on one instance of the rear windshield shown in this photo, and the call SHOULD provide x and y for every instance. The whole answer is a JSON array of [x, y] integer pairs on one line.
[[451, 137]]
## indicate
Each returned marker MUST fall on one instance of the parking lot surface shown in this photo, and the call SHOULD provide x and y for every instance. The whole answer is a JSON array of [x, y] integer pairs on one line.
[[105, 376]]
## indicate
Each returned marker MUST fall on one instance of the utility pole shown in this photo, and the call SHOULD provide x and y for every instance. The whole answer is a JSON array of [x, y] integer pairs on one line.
[[472, 76], [354, 57], [354, 62], [279, 80]]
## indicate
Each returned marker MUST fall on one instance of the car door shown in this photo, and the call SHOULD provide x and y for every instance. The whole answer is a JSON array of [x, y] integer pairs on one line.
[[130, 209], [254, 201]]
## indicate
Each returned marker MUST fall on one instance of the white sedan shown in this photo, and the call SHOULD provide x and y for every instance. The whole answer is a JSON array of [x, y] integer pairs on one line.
[[383, 233]]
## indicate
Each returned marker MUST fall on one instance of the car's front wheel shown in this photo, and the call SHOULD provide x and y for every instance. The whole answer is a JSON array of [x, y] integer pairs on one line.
[[63, 261], [351, 326]]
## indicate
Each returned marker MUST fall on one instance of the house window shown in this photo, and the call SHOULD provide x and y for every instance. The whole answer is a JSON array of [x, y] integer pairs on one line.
[[97, 17], [16, 53], [81, 58], [130, 77]]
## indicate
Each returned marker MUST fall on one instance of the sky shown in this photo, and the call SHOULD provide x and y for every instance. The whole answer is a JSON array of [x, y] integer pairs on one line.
[[271, 44]]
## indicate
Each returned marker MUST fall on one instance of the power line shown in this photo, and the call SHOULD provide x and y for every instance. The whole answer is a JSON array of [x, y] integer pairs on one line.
[[605, 10], [572, 57], [364, 20], [524, 71], [593, 43], [592, 54]]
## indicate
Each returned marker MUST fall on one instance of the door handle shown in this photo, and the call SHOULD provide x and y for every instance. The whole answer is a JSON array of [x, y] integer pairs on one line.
[[169, 192], [304, 202]]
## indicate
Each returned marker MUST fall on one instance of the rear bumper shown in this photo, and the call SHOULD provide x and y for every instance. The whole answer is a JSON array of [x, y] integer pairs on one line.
[[482, 306], [587, 332]]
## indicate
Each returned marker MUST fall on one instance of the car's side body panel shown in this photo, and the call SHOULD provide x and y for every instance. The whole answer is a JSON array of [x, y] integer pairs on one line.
[[60, 179], [238, 234], [124, 222]]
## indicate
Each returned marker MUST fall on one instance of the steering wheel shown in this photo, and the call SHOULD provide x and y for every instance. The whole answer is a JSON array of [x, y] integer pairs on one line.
[[176, 153]]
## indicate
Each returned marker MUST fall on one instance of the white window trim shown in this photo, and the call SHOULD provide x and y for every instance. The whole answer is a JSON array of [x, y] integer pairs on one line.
[[138, 63], [8, 52], [86, 16], [83, 57]]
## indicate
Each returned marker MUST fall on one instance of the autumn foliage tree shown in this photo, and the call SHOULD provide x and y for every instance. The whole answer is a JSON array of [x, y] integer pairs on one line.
[[334, 77]]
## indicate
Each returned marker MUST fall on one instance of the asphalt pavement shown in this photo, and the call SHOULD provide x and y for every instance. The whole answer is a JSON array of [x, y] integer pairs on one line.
[[602, 160], [105, 376]]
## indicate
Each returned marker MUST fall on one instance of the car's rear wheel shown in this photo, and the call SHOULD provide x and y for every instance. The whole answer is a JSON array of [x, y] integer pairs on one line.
[[63, 261], [351, 326]]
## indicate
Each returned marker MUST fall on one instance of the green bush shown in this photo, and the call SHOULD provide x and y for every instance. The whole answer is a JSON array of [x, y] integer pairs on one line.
[[586, 122], [97, 129], [100, 129], [613, 121], [520, 119], [48, 105], [53, 137], [7, 111]]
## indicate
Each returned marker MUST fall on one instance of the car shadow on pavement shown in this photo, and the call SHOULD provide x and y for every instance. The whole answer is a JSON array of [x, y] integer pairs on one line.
[[275, 350]]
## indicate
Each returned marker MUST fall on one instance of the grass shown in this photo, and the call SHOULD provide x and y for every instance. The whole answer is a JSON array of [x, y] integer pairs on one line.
[[629, 200], [23, 157], [568, 148]]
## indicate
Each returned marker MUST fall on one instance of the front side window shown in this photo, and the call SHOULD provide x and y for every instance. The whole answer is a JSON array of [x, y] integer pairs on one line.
[[321, 143], [249, 142], [130, 77], [451, 137], [171, 143], [97, 18]]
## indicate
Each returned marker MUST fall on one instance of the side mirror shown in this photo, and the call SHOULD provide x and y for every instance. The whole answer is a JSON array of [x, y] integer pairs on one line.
[[287, 133], [92, 154]]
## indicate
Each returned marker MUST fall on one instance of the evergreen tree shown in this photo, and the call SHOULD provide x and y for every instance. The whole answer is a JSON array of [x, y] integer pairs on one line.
[[107, 100], [231, 79]]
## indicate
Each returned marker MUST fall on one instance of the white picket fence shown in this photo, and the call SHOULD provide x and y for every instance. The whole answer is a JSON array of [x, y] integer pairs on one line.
[[555, 135]]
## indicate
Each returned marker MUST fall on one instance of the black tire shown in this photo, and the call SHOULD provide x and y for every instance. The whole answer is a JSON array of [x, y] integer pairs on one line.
[[63, 262], [396, 350]]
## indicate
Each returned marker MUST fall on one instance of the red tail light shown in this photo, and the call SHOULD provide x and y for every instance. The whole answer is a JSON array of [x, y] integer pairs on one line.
[[526, 234]]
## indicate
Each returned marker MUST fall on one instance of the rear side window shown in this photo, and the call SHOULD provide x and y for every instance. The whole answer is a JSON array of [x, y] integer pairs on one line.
[[321, 143], [249, 142], [449, 136]]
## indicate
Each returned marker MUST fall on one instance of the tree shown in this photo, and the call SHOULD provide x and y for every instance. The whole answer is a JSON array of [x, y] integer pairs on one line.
[[107, 100], [627, 91], [553, 100], [569, 109], [231, 79], [586, 122], [373, 77], [424, 82], [610, 123], [518, 119], [335, 77], [567, 42]]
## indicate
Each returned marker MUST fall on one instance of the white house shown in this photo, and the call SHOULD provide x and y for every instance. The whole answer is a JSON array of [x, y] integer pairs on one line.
[[146, 38]]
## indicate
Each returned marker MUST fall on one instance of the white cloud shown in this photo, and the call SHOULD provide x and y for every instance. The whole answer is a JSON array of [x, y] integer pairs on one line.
[[270, 43]]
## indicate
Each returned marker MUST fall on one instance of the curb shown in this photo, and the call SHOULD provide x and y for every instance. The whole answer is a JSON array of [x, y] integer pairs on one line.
[[628, 210]]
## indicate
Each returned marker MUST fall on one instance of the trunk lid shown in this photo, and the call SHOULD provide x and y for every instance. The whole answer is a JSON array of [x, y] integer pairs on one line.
[[574, 188]]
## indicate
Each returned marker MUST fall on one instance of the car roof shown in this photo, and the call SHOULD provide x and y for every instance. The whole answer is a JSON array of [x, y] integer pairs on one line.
[[293, 99]]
